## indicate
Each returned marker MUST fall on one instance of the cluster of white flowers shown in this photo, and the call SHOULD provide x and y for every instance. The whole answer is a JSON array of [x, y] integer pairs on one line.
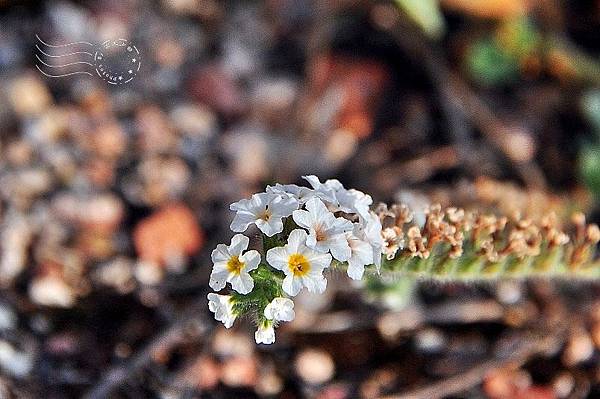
[[329, 223]]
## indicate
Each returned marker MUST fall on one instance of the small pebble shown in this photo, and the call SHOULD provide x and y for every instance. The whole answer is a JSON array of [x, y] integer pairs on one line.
[[314, 366]]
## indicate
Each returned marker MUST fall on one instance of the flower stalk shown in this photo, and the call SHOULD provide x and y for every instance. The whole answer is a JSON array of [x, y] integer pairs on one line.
[[308, 231], [454, 246]]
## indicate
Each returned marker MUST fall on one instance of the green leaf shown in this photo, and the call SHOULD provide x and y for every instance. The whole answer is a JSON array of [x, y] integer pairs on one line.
[[489, 65]]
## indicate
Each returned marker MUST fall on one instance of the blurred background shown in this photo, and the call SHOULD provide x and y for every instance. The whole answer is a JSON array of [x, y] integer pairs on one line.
[[113, 196]]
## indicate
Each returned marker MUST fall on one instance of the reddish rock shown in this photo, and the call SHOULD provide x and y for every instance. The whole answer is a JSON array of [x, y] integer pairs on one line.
[[170, 232]]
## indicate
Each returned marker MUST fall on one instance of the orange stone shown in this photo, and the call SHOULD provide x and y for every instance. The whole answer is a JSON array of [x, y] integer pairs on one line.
[[171, 231]]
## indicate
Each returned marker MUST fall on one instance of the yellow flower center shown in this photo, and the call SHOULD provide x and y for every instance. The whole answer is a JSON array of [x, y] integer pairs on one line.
[[298, 264], [234, 265], [265, 215]]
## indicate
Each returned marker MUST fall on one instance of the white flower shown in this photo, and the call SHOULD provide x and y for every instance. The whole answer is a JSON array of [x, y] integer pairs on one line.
[[280, 309], [372, 234], [232, 265], [302, 266], [354, 201], [265, 334], [222, 307], [362, 254], [302, 194], [334, 193], [325, 191], [265, 210], [326, 232]]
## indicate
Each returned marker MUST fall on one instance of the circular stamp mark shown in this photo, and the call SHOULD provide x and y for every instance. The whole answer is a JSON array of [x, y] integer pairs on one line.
[[117, 61]]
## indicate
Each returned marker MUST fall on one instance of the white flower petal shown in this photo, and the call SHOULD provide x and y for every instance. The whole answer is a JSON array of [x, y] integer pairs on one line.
[[313, 181], [271, 227], [280, 309], [342, 225], [321, 190], [372, 234], [311, 242], [259, 201], [220, 254], [291, 285], [318, 209], [356, 269], [278, 258], [242, 283], [318, 262], [218, 279], [251, 260], [302, 218], [334, 184], [241, 205], [361, 251], [296, 241], [221, 306], [265, 335], [239, 243], [283, 207], [241, 221], [301, 194], [315, 283], [339, 248]]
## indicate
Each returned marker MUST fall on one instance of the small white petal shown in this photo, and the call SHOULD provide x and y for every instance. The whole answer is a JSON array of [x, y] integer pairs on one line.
[[315, 283], [356, 270], [321, 190], [280, 309], [239, 243], [251, 260], [283, 206], [339, 248], [278, 258], [318, 262], [220, 254], [313, 181], [221, 306], [265, 335], [302, 218], [242, 283], [296, 241], [271, 227], [218, 278], [334, 184], [291, 285], [317, 208], [342, 225], [311, 242], [241, 221]]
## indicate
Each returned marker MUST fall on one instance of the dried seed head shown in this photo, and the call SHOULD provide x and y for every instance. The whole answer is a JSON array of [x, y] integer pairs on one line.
[[488, 250], [416, 244], [578, 219], [455, 215], [393, 240], [402, 213]]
